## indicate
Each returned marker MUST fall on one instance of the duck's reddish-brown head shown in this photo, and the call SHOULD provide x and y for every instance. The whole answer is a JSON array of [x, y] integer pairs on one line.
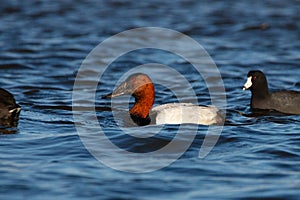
[[140, 86]]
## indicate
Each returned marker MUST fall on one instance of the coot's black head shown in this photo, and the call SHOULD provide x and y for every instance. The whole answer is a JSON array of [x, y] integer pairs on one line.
[[256, 82], [9, 109]]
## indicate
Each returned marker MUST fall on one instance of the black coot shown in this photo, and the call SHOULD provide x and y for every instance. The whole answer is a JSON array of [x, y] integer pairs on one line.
[[281, 101]]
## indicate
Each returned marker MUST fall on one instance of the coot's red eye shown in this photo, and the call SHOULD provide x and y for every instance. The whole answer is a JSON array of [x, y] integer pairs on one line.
[[254, 78]]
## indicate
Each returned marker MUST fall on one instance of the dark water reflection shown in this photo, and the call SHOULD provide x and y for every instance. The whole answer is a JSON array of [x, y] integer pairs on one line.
[[42, 45]]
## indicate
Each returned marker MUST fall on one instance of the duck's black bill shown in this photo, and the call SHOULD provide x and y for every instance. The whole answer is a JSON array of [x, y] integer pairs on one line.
[[112, 95], [119, 91], [108, 96]]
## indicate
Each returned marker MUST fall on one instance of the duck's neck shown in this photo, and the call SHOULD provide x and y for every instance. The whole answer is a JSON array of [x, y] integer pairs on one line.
[[143, 104]]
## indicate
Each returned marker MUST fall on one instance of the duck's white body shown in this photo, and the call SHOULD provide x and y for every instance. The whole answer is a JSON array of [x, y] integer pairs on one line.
[[141, 88], [186, 113]]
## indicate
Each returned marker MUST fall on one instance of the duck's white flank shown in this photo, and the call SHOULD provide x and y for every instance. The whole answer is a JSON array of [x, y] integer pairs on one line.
[[187, 113]]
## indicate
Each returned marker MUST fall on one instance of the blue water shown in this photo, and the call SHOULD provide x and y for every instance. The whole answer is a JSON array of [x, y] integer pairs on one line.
[[42, 46]]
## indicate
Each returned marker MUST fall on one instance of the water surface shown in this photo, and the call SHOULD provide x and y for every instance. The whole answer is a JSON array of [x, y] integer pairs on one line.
[[43, 44]]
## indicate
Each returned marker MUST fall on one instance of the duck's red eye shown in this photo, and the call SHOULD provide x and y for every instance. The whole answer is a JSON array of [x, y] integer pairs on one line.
[[134, 80]]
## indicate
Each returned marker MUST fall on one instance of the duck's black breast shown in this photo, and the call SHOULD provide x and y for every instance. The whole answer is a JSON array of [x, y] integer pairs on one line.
[[141, 121]]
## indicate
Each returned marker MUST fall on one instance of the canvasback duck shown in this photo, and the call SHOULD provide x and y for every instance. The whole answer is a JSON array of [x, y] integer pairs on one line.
[[9, 110], [140, 86], [282, 101]]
